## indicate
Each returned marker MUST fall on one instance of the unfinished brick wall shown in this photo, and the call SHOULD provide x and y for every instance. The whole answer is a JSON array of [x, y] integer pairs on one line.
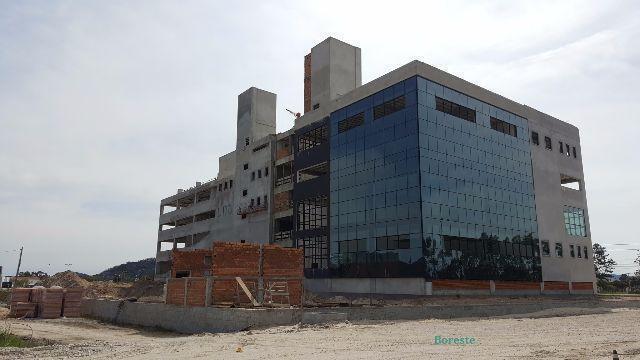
[[186, 291], [517, 285], [461, 285], [196, 288], [231, 260], [282, 201], [307, 83], [582, 286], [279, 261], [175, 292], [556, 286], [195, 261], [235, 259]]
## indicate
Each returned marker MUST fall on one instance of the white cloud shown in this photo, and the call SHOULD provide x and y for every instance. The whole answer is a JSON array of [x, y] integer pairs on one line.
[[106, 107]]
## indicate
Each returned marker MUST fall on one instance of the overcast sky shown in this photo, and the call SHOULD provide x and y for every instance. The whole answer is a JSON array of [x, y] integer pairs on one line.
[[108, 106]]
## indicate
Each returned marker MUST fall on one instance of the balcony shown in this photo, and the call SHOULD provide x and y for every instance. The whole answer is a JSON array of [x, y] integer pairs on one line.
[[250, 209]]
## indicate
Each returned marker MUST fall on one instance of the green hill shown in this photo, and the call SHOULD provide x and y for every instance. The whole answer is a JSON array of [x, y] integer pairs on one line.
[[129, 271]]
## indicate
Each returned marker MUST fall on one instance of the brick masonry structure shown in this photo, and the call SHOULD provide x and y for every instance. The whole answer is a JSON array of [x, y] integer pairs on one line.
[[46, 303], [202, 273]]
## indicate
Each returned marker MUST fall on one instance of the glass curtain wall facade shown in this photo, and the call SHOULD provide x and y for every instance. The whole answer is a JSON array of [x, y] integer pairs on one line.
[[478, 205], [422, 186], [375, 186]]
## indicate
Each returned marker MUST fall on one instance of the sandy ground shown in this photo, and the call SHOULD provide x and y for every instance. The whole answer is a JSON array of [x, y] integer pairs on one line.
[[552, 334]]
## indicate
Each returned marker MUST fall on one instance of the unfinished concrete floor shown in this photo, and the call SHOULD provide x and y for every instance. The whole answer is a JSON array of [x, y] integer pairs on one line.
[[568, 333]]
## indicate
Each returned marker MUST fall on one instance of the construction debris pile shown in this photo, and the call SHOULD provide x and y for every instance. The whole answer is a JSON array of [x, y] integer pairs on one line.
[[236, 274], [141, 289], [45, 303]]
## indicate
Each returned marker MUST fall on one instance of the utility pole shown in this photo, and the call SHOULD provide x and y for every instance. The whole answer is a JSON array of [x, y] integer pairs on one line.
[[19, 262]]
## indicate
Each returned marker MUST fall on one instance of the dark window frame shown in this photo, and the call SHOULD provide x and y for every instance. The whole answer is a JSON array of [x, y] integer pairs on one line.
[[503, 127], [389, 107], [535, 138], [351, 122], [456, 110]]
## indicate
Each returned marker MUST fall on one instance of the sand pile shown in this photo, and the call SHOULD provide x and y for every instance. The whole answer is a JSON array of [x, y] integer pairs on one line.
[[105, 289], [65, 279]]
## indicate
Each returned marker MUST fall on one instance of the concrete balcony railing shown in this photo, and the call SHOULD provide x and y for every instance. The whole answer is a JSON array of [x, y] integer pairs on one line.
[[250, 209], [185, 230], [186, 212]]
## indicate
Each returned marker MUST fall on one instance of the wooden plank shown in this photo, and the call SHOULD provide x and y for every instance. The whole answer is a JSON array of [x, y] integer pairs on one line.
[[246, 291]]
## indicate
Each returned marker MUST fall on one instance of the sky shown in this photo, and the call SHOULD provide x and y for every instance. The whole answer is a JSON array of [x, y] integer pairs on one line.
[[106, 107]]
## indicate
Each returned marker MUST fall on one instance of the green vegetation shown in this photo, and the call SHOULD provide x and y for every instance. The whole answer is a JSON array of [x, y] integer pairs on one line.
[[7, 339], [130, 271]]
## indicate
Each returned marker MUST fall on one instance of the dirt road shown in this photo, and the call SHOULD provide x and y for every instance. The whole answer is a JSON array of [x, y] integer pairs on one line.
[[557, 334]]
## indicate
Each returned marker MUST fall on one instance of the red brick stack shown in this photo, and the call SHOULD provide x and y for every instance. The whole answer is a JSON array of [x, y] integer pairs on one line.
[[20, 305], [72, 302], [51, 305], [46, 303]]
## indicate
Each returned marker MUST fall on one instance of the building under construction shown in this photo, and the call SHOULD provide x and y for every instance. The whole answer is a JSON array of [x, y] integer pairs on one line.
[[415, 180]]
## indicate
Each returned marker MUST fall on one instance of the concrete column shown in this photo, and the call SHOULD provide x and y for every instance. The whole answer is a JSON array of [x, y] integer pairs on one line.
[[207, 292], [260, 295]]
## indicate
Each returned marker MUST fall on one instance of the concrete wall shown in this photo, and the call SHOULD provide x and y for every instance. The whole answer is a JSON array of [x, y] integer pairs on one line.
[[551, 197], [420, 286], [335, 70], [188, 319], [208, 319]]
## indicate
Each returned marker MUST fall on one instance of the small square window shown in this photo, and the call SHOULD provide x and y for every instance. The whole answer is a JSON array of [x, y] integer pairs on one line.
[[559, 249], [245, 166], [547, 143], [258, 200], [561, 147], [546, 251], [568, 149], [575, 155], [586, 255], [572, 251], [534, 138], [259, 173], [579, 251], [266, 170], [230, 184], [253, 175], [244, 192], [246, 141]]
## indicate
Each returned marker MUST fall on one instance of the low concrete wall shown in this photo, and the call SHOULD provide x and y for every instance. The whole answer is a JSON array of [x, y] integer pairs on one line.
[[188, 319], [420, 286], [192, 320], [389, 286]]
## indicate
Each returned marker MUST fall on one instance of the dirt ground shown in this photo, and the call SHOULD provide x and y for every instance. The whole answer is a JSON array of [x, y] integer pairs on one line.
[[553, 334]]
